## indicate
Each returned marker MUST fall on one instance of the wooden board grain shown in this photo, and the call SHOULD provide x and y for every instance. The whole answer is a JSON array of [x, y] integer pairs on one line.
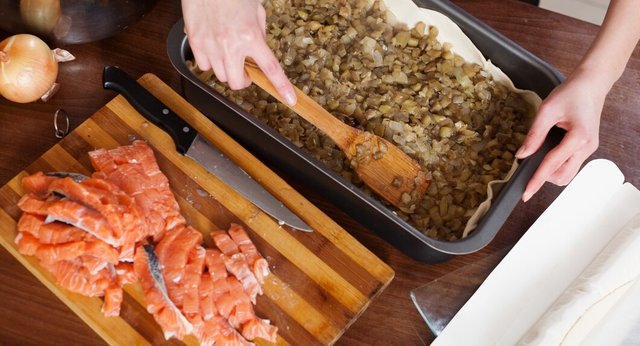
[[320, 282]]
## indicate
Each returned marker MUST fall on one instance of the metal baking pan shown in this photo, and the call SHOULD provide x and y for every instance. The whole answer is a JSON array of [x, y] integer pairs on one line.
[[526, 70]]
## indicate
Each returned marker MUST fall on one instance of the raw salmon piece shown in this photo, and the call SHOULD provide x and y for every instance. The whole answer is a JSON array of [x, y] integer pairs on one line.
[[239, 235], [217, 331], [130, 179], [136, 160], [30, 223], [174, 255], [59, 232], [162, 248], [93, 264], [214, 260], [207, 305], [220, 288], [155, 301], [169, 320], [49, 233], [83, 217], [102, 160], [113, 297], [50, 253], [237, 265], [231, 337], [259, 328], [137, 152], [257, 263], [192, 280], [118, 208], [127, 249], [198, 325], [227, 300], [133, 169], [60, 252], [242, 313], [100, 249], [225, 304], [168, 316], [33, 204], [73, 276], [224, 243], [239, 303], [37, 183], [125, 273], [161, 211], [102, 201], [140, 152], [27, 244], [174, 259]]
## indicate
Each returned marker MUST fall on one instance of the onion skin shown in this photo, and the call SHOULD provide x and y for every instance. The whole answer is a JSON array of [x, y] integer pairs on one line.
[[28, 68]]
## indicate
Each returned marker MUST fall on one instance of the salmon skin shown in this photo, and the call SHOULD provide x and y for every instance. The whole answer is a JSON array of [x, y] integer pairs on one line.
[[122, 225], [154, 269]]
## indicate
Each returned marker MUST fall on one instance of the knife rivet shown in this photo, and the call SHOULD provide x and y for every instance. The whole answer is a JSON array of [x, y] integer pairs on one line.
[[165, 111], [185, 129]]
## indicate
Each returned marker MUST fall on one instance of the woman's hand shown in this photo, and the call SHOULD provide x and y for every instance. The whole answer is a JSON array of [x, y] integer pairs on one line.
[[574, 106], [577, 103], [222, 33]]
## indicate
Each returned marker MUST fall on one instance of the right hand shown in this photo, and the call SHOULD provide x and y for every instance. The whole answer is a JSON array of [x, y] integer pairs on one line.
[[222, 33], [575, 106]]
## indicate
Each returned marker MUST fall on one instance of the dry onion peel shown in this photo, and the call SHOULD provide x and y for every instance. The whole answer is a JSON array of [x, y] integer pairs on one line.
[[28, 68]]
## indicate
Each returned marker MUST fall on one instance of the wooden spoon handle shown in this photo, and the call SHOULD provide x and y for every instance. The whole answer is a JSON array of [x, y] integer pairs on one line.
[[307, 108]]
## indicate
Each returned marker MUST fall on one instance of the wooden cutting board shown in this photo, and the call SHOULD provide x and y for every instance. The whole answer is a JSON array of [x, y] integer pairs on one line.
[[320, 282]]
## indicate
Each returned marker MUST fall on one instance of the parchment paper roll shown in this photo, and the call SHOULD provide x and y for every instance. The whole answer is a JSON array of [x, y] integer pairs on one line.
[[616, 266]]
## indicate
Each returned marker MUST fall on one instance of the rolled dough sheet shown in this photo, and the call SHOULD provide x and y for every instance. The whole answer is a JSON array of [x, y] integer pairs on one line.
[[547, 259], [588, 298], [621, 326]]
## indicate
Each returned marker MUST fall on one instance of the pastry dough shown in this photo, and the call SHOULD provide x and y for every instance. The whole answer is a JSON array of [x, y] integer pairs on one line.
[[609, 274]]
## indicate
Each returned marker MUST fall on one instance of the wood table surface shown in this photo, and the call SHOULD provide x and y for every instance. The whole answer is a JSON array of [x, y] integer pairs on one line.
[[30, 314]]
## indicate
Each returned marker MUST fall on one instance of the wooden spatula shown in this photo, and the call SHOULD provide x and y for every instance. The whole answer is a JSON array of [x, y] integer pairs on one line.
[[386, 169]]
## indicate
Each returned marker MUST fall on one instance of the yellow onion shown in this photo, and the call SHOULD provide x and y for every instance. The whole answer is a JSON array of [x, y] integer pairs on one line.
[[28, 68]]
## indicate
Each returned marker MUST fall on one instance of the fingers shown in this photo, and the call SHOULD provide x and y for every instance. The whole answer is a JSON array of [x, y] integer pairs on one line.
[[552, 161], [262, 19], [237, 78], [202, 61], [537, 133], [271, 67], [208, 59], [561, 164], [566, 172]]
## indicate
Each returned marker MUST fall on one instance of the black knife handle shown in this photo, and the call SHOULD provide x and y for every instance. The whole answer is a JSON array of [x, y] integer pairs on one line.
[[150, 107]]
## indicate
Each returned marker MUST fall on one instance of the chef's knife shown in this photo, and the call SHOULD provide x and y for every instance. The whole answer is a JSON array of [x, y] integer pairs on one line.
[[191, 144]]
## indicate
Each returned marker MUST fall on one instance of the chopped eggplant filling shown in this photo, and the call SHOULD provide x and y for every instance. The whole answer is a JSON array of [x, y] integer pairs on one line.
[[397, 82]]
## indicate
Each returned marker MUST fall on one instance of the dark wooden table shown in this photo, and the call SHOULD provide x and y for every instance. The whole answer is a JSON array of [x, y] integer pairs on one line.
[[33, 315]]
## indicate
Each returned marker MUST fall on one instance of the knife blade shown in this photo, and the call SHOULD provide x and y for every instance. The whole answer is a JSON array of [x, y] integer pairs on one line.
[[189, 143]]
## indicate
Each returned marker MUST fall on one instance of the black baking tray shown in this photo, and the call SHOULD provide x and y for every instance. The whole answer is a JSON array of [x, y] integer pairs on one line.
[[526, 70]]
